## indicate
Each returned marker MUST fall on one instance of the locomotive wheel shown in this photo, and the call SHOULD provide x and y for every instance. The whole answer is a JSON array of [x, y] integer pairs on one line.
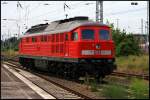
[[68, 71], [22, 62], [99, 79], [74, 73], [52, 67], [32, 66], [75, 76], [23, 65], [59, 73], [99, 76]]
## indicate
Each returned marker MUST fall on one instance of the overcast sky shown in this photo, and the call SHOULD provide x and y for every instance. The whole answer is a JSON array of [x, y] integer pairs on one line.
[[35, 12]]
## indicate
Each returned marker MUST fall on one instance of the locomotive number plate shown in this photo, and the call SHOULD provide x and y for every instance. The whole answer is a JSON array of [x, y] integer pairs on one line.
[[96, 52], [105, 52]]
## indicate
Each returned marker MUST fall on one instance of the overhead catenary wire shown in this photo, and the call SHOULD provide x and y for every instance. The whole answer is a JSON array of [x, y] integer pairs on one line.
[[50, 12], [34, 18], [124, 12], [12, 28], [120, 12], [39, 18], [39, 15], [75, 8], [111, 13], [72, 8]]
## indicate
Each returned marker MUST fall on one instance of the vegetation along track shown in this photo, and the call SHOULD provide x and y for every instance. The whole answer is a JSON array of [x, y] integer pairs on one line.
[[72, 87]]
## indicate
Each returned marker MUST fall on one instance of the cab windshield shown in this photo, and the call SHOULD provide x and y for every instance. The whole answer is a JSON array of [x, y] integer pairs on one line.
[[88, 34], [104, 35]]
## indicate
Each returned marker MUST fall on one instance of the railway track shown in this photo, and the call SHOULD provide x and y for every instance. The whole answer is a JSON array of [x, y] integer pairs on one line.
[[78, 93], [75, 89], [146, 77], [115, 73]]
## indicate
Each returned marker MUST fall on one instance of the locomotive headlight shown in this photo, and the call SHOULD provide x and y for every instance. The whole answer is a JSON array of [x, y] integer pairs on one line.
[[87, 52], [82, 60], [97, 46], [109, 60]]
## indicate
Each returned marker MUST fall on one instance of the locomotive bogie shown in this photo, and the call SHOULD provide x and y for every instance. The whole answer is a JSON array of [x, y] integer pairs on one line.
[[73, 70]]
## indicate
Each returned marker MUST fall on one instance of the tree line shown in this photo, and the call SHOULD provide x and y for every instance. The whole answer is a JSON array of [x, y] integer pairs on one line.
[[10, 43]]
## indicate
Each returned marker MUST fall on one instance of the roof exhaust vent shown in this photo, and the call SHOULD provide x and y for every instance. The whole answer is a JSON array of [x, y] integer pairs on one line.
[[81, 18]]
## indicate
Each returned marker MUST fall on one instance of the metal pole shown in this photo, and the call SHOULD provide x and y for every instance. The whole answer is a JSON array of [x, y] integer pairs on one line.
[[141, 26], [97, 11], [145, 27], [19, 31], [146, 40], [101, 11], [147, 21], [66, 16], [19, 15], [117, 23], [2, 43], [9, 42]]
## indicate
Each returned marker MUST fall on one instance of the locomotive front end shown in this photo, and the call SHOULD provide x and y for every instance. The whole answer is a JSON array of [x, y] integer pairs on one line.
[[97, 50]]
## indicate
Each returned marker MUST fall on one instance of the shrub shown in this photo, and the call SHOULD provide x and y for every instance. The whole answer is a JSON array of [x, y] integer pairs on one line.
[[139, 88], [114, 91]]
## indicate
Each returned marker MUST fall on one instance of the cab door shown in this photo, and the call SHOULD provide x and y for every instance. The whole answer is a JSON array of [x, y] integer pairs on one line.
[[66, 44]]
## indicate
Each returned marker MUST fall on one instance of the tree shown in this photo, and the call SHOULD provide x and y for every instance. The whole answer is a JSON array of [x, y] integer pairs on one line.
[[11, 43], [125, 43]]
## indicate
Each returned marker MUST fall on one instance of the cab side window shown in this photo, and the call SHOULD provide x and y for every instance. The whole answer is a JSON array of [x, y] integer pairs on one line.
[[66, 37], [34, 39], [74, 36]]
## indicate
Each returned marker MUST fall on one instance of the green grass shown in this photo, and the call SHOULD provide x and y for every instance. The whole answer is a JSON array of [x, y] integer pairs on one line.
[[10, 53], [136, 89], [115, 91], [136, 64], [139, 89], [94, 86]]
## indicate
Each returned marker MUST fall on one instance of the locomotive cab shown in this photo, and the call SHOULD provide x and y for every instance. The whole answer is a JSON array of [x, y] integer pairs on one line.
[[92, 44], [94, 48]]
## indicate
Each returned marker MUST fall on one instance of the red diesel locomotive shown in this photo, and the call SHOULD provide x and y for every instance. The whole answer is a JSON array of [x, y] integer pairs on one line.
[[73, 47]]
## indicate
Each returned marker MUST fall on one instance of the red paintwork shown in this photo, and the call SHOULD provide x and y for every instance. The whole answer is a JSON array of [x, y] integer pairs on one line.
[[72, 48]]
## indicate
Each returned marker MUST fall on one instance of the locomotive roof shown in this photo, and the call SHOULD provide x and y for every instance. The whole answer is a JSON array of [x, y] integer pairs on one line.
[[60, 26]]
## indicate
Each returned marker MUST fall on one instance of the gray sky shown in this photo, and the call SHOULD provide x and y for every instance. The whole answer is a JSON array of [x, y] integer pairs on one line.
[[35, 12]]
